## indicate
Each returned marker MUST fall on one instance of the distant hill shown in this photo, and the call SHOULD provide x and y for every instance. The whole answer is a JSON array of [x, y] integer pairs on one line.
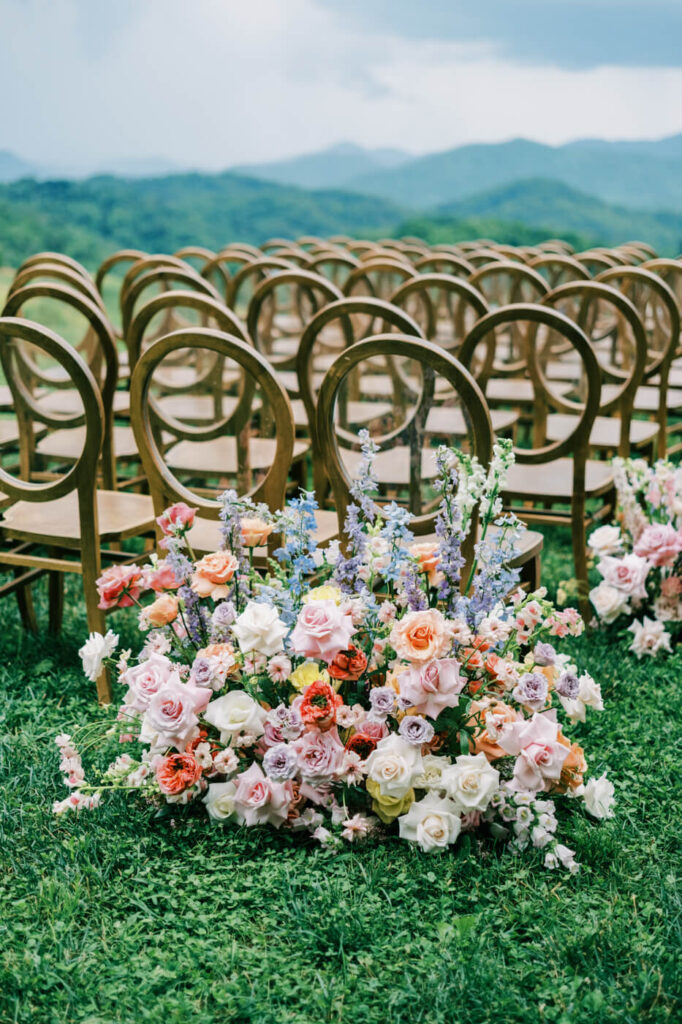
[[541, 203], [90, 219], [644, 175], [329, 168], [13, 167]]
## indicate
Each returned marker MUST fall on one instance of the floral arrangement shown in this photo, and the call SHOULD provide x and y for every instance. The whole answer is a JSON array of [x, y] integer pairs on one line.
[[640, 557], [348, 691]]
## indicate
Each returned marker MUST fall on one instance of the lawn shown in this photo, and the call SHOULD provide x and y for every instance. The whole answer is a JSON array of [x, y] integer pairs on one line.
[[110, 918]]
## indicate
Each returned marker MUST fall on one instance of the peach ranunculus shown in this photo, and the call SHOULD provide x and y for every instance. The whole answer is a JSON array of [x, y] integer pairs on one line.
[[212, 573], [427, 554], [255, 532], [177, 772], [488, 719], [421, 636], [119, 586], [162, 611]]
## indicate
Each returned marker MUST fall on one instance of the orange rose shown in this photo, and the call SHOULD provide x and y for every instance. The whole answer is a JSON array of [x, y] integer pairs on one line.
[[485, 734], [255, 532], [177, 772], [427, 554], [212, 574], [421, 636], [163, 610], [574, 767]]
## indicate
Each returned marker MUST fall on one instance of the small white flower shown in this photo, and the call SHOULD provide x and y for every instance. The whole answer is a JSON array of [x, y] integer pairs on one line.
[[93, 652]]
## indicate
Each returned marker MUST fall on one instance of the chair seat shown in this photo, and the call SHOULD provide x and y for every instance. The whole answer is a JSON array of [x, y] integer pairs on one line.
[[392, 466], [68, 402], [120, 515], [359, 413], [646, 398], [553, 481], [518, 390], [219, 456], [449, 421], [605, 432], [205, 535], [68, 444], [6, 399], [190, 408], [9, 432]]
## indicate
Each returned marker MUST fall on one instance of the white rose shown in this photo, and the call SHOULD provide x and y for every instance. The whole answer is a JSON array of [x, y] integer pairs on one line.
[[590, 692], [93, 652], [608, 601], [650, 637], [394, 765], [259, 628], [598, 795], [471, 782], [431, 774], [605, 540], [234, 713], [433, 823], [219, 800]]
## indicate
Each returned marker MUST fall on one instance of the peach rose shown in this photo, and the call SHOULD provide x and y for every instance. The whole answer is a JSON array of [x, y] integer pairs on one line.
[[212, 574], [488, 718], [574, 767], [421, 636], [427, 554], [255, 532], [163, 610]]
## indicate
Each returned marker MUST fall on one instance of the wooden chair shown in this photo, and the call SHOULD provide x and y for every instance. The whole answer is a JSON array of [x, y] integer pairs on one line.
[[67, 516], [558, 269], [220, 270], [560, 473], [433, 360]]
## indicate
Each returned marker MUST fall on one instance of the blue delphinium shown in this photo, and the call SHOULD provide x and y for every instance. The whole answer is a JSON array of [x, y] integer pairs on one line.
[[361, 511], [449, 532], [297, 524]]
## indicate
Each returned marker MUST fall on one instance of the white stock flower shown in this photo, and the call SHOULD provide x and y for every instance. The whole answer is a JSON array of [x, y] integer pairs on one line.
[[219, 800], [235, 713], [649, 637], [608, 602], [598, 795], [259, 628], [471, 782], [95, 649], [432, 822]]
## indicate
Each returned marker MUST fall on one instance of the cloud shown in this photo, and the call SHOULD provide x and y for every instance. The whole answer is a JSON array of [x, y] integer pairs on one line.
[[210, 83]]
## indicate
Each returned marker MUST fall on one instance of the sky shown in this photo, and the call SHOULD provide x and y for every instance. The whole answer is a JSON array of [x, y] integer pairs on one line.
[[213, 83]]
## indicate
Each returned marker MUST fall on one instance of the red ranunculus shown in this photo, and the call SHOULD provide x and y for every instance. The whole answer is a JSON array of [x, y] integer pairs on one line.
[[319, 704], [348, 664], [361, 744]]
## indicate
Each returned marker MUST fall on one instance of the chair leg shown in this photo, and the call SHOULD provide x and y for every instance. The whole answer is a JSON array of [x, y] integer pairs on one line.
[[26, 607], [56, 597], [530, 573], [580, 555]]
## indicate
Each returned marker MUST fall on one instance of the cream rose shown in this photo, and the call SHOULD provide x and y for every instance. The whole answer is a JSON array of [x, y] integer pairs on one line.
[[235, 713], [421, 636], [605, 540], [433, 823], [470, 782], [608, 602], [394, 765], [598, 795], [219, 800], [259, 628]]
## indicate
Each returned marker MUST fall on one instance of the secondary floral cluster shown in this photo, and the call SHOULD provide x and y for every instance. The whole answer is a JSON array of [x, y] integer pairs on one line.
[[348, 691], [640, 557]]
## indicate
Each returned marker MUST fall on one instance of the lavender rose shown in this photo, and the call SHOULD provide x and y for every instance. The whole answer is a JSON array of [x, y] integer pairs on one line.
[[568, 685], [382, 699], [531, 690], [544, 654], [280, 762], [416, 730]]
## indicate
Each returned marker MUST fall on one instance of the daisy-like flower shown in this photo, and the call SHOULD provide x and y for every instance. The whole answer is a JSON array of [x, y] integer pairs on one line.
[[357, 827]]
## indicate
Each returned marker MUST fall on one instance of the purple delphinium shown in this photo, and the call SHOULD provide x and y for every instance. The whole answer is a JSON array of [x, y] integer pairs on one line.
[[415, 729], [195, 617], [177, 559], [448, 531], [531, 690]]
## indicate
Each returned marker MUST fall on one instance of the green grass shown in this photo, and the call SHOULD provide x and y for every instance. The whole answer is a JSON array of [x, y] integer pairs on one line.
[[110, 918]]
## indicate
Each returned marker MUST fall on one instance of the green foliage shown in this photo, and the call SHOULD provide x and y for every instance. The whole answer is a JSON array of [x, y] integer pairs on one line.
[[109, 918]]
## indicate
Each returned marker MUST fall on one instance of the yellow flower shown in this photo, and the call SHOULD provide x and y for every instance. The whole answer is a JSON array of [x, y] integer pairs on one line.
[[327, 592], [388, 807], [306, 674]]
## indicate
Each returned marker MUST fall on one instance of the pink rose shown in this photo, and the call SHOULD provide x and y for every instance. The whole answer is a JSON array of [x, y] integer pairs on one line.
[[320, 755], [177, 519], [260, 801], [432, 687], [660, 543], [539, 754], [119, 586], [671, 586], [146, 679], [172, 712], [374, 728], [161, 578], [322, 630], [627, 574]]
